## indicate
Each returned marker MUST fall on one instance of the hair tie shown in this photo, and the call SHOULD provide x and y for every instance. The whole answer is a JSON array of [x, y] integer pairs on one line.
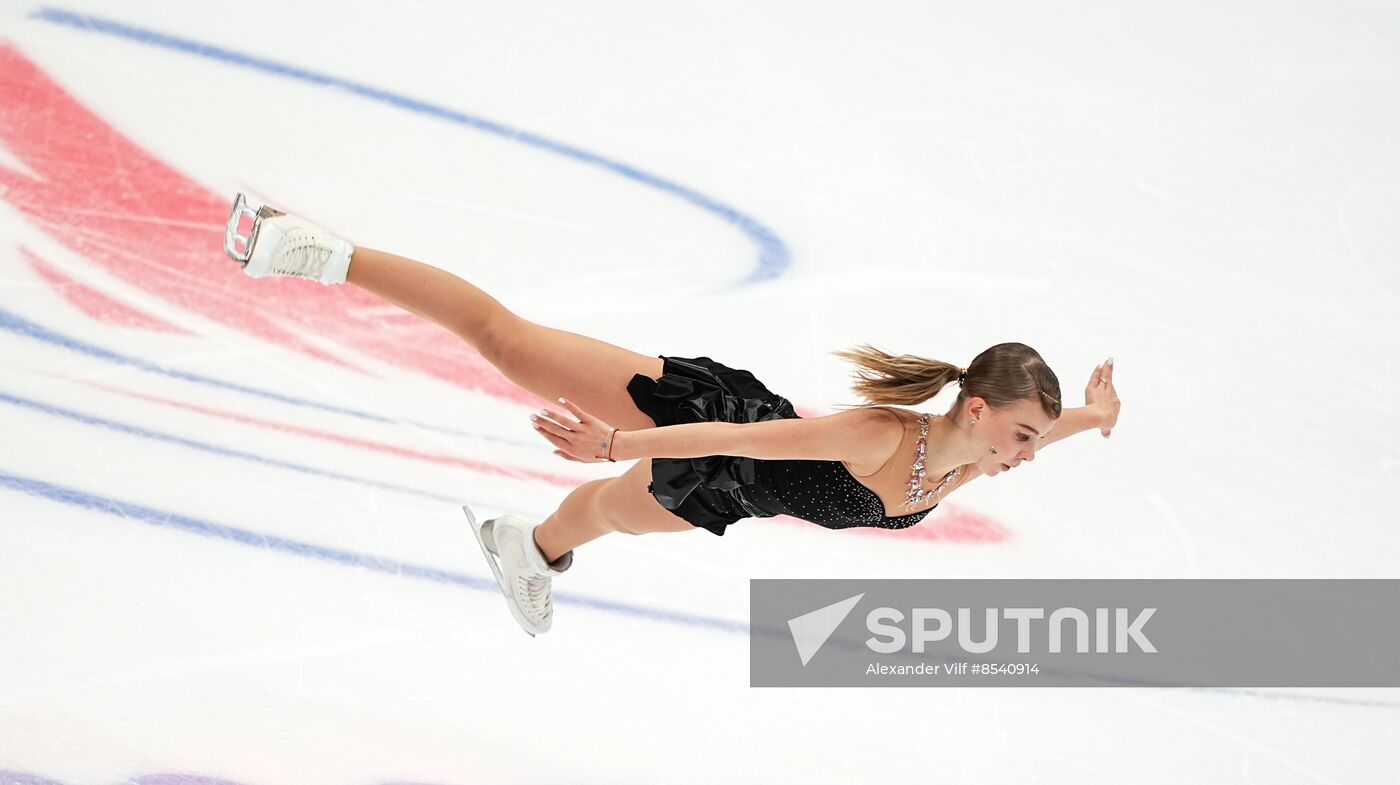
[[962, 375]]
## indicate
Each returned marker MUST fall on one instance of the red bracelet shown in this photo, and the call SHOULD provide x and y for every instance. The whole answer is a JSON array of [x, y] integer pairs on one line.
[[610, 444]]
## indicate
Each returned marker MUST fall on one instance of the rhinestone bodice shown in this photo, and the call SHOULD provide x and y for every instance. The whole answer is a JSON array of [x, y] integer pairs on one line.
[[918, 494], [828, 494]]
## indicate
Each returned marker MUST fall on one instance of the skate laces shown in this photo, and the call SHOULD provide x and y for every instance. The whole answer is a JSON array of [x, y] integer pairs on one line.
[[534, 594], [300, 253]]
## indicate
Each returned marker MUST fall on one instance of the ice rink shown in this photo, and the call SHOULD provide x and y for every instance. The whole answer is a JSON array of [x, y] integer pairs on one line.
[[231, 549]]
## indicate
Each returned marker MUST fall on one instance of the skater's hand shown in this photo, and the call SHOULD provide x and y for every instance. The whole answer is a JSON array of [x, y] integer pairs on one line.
[[584, 439], [1102, 397]]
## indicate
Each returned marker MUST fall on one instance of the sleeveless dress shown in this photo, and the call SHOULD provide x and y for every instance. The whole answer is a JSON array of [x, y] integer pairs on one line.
[[714, 491]]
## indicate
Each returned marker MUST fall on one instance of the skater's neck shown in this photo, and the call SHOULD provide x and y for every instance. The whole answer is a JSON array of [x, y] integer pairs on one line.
[[947, 448]]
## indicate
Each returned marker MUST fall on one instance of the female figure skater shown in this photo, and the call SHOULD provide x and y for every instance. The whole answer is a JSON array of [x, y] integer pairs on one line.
[[722, 447]]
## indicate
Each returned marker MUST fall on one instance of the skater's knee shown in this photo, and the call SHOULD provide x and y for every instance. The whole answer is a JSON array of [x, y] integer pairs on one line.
[[626, 504], [625, 527]]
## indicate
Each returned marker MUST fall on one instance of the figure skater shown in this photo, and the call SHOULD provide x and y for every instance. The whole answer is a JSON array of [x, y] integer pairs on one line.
[[722, 447]]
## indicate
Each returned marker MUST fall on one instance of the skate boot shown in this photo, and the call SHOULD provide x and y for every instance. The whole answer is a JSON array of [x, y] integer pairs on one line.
[[521, 570], [281, 244]]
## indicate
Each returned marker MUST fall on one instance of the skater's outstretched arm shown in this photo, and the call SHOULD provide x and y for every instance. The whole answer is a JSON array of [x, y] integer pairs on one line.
[[858, 436], [1072, 421]]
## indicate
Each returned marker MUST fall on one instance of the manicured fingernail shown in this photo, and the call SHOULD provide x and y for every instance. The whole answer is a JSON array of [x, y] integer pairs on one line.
[[544, 412], [1110, 361]]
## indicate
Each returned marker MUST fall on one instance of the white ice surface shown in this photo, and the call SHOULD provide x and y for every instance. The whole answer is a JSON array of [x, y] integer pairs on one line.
[[1207, 193]]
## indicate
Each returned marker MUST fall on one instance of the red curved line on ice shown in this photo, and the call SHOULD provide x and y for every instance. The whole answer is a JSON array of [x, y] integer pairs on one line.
[[94, 303], [112, 202], [384, 448]]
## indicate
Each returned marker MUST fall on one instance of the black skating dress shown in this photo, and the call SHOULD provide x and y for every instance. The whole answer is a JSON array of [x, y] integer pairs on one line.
[[713, 491]]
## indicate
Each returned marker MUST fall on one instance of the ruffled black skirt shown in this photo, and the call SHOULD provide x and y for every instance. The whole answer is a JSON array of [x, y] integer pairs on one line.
[[708, 491]]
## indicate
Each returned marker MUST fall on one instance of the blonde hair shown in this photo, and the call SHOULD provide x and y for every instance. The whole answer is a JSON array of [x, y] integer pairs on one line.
[[1002, 375]]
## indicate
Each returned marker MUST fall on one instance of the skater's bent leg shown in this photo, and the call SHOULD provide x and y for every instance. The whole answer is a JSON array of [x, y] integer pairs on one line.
[[427, 291], [575, 522], [617, 504]]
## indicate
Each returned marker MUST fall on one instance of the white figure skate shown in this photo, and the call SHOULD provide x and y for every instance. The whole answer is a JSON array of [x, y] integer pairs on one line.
[[522, 573], [281, 244]]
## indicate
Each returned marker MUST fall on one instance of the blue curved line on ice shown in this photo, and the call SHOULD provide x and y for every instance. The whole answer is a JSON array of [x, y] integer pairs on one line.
[[132, 511], [15, 323], [180, 441], [773, 254]]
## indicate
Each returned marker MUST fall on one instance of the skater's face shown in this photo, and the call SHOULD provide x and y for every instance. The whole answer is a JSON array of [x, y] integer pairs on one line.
[[1014, 432]]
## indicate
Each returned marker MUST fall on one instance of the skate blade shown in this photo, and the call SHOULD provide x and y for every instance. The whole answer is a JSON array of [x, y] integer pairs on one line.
[[237, 245], [491, 560], [233, 234]]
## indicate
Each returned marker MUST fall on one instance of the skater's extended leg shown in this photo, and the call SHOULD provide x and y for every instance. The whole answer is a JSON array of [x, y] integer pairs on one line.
[[431, 292], [549, 363], [617, 504]]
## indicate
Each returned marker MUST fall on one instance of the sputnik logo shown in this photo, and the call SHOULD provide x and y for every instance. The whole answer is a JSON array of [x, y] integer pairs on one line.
[[811, 630]]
